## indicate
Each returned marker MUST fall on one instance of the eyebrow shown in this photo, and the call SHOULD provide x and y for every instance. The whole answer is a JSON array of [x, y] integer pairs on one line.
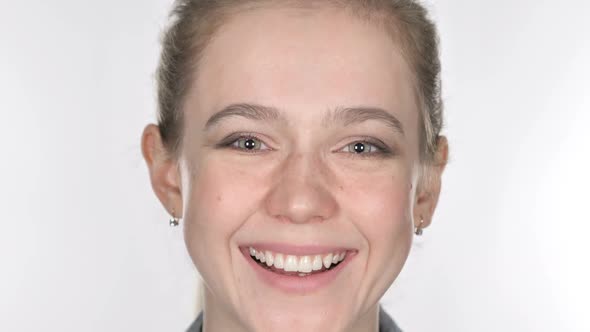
[[345, 116], [353, 115], [250, 111]]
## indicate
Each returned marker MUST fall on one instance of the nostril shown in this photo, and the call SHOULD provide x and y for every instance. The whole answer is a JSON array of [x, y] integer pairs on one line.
[[301, 220]]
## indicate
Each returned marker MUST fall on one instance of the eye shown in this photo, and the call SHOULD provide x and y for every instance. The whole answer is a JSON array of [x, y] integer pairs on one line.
[[362, 147], [367, 147], [246, 142]]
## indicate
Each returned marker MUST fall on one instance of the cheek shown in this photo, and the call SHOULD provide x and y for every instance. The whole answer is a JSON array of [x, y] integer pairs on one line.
[[218, 202], [390, 232], [379, 200], [381, 211]]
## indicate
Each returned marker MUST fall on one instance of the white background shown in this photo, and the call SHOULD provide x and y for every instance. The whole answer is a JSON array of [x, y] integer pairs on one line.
[[85, 245]]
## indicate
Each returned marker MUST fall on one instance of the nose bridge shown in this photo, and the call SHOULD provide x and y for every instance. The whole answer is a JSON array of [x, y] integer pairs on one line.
[[302, 164], [301, 192]]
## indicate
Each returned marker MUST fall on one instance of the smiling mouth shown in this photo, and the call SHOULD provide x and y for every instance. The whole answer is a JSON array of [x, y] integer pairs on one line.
[[293, 265]]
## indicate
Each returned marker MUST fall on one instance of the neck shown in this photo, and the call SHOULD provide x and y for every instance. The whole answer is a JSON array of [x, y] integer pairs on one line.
[[367, 322], [217, 318]]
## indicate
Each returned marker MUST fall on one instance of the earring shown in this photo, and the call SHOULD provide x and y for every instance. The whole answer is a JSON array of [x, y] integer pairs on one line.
[[418, 230], [173, 220]]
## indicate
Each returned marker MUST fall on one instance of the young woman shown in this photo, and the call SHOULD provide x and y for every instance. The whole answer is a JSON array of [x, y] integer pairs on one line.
[[299, 141]]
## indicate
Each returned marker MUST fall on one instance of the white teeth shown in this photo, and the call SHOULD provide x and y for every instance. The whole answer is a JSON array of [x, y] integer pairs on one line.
[[317, 263], [338, 257], [304, 264], [269, 258], [335, 258], [279, 261], [291, 263], [327, 260]]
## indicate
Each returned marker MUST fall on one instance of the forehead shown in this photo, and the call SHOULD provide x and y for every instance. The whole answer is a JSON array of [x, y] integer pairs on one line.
[[304, 60]]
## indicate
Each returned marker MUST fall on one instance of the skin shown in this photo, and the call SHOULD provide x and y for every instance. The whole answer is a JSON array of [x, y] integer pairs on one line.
[[304, 183]]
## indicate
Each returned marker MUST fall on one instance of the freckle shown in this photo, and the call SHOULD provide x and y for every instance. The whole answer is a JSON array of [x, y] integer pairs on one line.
[[341, 188], [218, 198]]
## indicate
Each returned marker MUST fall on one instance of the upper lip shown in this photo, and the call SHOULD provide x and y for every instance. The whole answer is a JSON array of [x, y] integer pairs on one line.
[[298, 250]]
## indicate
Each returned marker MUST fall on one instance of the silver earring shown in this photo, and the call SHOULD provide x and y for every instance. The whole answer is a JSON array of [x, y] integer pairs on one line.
[[173, 220], [418, 230]]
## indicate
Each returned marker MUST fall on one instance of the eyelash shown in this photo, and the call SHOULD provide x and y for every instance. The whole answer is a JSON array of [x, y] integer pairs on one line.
[[229, 142], [382, 150]]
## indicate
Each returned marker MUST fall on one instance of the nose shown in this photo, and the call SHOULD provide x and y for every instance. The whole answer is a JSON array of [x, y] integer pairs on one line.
[[301, 194]]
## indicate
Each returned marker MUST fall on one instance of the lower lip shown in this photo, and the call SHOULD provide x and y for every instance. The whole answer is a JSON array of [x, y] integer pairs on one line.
[[293, 283]]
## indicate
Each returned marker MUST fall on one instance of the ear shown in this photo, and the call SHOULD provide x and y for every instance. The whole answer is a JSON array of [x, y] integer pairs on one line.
[[163, 170], [428, 190]]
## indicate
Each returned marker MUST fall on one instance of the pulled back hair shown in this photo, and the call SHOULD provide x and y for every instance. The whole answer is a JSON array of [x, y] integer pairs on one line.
[[194, 23]]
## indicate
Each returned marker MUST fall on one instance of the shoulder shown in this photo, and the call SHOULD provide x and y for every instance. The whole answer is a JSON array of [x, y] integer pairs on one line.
[[386, 323], [197, 325]]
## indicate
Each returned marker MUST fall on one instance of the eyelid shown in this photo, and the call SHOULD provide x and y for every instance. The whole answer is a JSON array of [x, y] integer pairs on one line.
[[230, 140], [383, 149]]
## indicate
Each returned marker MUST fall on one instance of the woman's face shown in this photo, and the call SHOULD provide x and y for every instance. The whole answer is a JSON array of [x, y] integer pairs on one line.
[[301, 140]]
